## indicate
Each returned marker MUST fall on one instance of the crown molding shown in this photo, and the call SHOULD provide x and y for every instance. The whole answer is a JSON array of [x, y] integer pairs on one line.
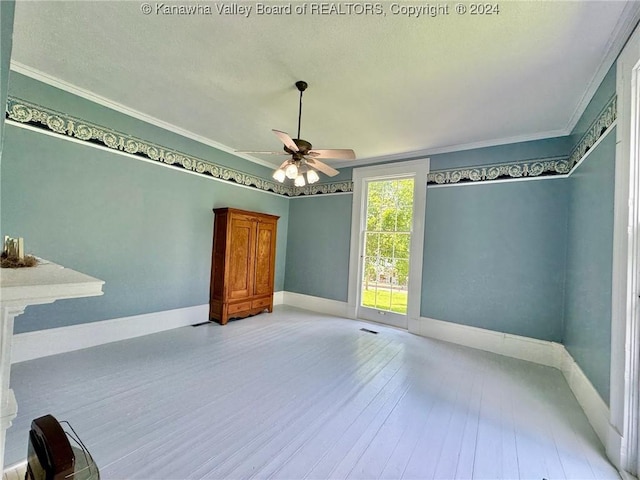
[[105, 102], [619, 37], [417, 154]]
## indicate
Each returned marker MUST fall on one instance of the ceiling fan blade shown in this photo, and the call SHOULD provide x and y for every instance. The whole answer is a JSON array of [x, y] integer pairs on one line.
[[262, 153], [323, 167], [285, 163], [337, 153], [287, 140]]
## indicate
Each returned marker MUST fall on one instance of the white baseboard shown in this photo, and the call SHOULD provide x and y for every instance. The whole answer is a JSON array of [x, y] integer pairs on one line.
[[626, 475], [317, 304], [278, 297], [589, 399], [42, 343], [542, 352], [533, 350]]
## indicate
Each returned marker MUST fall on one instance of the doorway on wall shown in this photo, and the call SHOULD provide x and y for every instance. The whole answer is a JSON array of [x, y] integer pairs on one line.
[[625, 322], [385, 270]]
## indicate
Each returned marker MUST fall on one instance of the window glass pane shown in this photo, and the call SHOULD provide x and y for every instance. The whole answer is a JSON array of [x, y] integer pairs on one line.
[[387, 240], [386, 245], [402, 274], [401, 245], [371, 245]]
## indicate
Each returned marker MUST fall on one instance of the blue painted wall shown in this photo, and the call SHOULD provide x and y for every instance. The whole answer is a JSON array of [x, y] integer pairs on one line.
[[318, 246], [143, 228], [494, 256], [494, 253], [512, 152], [7, 8], [587, 326], [587, 329]]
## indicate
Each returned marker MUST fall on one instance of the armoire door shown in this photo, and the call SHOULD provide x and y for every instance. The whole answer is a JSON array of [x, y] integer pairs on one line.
[[241, 252], [265, 252]]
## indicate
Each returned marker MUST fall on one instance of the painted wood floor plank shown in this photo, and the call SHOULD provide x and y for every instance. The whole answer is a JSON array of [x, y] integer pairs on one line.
[[345, 467], [468, 446], [488, 457], [451, 445], [284, 408], [374, 459], [274, 440], [254, 401], [427, 451], [354, 430], [305, 451], [508, 414], [301, 395], [576, 442], [253, 413], [396, 459]]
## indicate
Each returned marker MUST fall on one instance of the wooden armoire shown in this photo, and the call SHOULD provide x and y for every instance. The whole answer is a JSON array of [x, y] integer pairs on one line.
[[242, 264]]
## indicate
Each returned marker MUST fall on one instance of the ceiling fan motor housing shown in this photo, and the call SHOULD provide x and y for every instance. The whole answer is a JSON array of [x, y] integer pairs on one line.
[[303, 148]]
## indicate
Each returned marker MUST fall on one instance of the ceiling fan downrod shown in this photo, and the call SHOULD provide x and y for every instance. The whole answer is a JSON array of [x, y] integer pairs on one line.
[[301, 86]]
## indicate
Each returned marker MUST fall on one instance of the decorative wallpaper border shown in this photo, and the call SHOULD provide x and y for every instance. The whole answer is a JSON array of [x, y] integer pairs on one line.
[[545, 167], [28, 113], [607, 116], [35, 115]]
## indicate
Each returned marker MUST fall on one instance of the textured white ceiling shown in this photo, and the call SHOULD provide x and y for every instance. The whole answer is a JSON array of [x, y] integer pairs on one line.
[[388, 86]]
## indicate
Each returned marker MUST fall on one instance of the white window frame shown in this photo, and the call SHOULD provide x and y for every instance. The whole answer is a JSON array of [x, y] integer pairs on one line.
[[418, 169]]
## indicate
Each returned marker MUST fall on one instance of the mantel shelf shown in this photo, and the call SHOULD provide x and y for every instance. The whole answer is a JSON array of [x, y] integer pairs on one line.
[[45, 283]]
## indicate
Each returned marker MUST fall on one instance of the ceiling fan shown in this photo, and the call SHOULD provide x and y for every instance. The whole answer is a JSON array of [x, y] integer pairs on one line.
[[304, 158]]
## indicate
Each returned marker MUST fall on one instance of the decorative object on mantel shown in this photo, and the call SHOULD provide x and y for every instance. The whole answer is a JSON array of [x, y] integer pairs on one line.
[[304, 158], [13, 254]]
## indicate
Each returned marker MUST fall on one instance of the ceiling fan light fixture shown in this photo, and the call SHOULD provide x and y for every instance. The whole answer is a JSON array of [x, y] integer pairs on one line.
[[291, 171], [312, 176], [302, 154], [279, 175]]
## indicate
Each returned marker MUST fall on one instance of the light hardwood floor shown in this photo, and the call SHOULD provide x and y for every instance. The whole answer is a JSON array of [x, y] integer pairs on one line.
[[295, 395]]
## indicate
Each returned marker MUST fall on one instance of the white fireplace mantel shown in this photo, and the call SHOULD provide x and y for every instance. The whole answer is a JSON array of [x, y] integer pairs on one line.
[[19, 288]]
